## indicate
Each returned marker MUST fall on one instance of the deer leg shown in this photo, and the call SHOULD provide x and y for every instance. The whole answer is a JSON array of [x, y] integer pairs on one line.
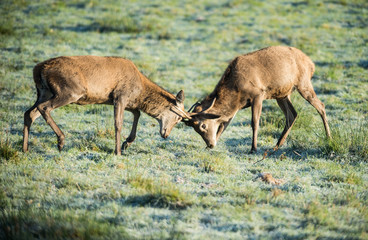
[[119, 116], [29, 117], [256, 113], [290, 117], [309, 95], [133, 133], [46, 107]]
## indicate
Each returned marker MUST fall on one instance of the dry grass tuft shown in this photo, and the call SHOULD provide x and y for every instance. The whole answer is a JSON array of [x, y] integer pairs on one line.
[[267, 178]]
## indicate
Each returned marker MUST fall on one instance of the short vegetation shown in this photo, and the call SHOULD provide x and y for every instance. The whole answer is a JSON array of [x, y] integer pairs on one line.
[[175, 188]]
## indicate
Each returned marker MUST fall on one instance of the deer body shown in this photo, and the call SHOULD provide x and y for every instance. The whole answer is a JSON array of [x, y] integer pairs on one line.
[[269, 73], [100, 80]]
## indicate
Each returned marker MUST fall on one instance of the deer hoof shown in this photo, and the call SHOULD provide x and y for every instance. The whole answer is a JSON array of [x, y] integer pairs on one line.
[[61, 142], [253, 150], [60, 146], [25, 149], [125, 145]]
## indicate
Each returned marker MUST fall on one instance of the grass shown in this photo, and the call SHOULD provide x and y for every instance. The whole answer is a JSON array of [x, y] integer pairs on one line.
[[161, 193], [7, 151], [349, 139], [175, 188]]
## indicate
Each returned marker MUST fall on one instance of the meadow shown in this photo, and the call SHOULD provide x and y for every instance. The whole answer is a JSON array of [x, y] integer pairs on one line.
[[175, 188]]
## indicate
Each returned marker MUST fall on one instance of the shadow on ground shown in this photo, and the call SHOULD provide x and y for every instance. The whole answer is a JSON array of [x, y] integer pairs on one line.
[[243, 146]]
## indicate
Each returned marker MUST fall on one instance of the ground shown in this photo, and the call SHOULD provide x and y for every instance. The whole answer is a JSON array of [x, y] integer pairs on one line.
[[175, 188]]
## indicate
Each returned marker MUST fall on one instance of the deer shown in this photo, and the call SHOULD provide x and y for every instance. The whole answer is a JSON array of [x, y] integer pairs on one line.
[[101, 80], [269, 73]]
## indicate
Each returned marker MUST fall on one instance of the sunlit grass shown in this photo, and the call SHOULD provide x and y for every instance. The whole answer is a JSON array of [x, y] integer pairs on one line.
[[351, 138], [175, 188]]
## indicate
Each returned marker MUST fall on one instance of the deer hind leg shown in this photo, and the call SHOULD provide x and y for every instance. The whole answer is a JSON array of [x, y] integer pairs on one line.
[[308, 94], [133, 133], [256, 114], [119, 107], [290, 117], [29, 117], [32, 114], [47, 106]]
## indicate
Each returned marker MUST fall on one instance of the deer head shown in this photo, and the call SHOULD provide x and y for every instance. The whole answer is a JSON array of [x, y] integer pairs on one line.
[[207, 124], [172, 115]]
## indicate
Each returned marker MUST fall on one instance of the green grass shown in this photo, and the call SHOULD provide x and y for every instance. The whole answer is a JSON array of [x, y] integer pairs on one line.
[[175, 188], [351, 138], [7, 151]]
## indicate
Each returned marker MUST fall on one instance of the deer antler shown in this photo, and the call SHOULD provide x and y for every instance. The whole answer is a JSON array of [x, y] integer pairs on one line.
[[194, 105], [184, 114], [212, 104], [199, 103]]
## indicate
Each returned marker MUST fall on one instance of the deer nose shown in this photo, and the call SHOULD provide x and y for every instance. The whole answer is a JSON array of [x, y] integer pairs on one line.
[[210, 145], [164, 133]]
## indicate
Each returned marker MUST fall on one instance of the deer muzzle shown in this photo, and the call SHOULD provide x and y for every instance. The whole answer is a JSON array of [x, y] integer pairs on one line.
[[164, 133]]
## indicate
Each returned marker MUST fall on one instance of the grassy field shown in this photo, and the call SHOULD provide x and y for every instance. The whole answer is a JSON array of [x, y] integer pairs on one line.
[[175, 188]]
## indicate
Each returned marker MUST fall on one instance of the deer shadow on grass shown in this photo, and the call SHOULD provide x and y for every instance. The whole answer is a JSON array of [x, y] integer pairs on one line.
[[236, 146], [156, 200], [82, 140], [87, 140]]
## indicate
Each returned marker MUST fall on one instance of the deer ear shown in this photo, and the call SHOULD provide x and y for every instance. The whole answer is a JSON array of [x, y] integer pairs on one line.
[[211, 116], [180, 97], [201, 115], [187, 122]]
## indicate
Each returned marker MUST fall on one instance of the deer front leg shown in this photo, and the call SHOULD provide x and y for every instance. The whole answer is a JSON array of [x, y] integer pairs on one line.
[[119, 116], [256, 114], [133, 133]]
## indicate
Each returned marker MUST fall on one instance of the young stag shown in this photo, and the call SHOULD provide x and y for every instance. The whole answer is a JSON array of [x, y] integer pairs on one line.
[[269, 73], [101, 80]]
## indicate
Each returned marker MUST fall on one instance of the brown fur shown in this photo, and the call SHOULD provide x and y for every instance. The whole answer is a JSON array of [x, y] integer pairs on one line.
[[269, 73], [100, 80]]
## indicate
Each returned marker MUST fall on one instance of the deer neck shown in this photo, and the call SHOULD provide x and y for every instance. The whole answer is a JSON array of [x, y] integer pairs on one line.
[[155, 99]]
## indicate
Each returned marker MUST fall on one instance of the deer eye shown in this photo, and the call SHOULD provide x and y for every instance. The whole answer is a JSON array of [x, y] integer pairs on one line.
[[203, 126]]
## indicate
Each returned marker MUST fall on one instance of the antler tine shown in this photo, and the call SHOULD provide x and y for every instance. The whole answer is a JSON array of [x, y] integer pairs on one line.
[[182, 112], [194, 105], [212, 104]]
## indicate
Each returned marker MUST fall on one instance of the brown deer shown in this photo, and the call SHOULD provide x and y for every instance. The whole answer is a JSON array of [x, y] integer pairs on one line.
[[269, 73], [101, 80]]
